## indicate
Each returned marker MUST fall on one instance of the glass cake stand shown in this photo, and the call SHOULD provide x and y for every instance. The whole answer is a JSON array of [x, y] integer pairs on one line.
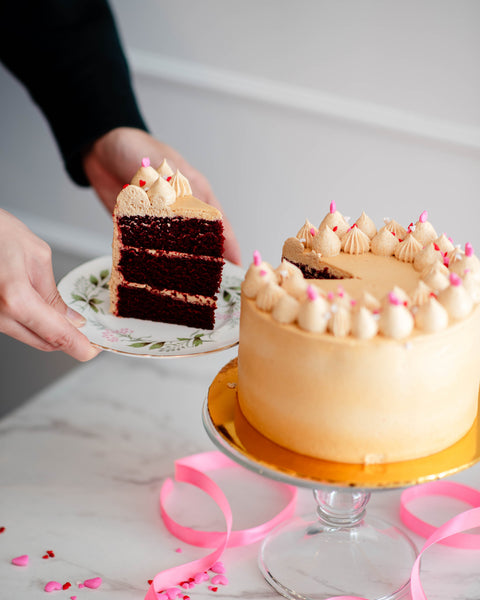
[[340, 550]]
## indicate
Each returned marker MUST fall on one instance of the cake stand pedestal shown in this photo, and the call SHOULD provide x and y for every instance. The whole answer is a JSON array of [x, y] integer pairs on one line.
[[340, 550]]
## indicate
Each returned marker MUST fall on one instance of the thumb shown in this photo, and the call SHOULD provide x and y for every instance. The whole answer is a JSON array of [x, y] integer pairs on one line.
[[56, 302]]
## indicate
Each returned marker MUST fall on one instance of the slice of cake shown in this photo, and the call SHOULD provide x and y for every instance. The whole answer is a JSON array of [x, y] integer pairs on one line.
[[167, 251]]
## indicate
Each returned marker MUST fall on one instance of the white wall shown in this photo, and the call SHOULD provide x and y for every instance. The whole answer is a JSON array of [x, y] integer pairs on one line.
[[285, 106]]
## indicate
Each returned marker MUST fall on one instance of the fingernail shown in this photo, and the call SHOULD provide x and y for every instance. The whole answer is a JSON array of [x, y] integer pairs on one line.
[[75, 318]]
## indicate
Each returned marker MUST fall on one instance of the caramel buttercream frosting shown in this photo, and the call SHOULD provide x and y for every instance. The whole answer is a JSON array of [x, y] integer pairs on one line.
[[340, 322], [149, 194], [307, 233], [408, 249], [133, 200], [145, 176], [423, 230], [444, 244], [258, 274], [180, 184], [421, 294], [161, 193], [335, 220], [165, 170], [384, 243], [472, 285], [365, 224], [313, 312], [268, 295], [326, 242], [467, 263], [427, 257], [286, 309], [436, 276], [364, 324], [398, 231], [355, 241], [431, 316], [292, 280], [396, 321], [369, 301], [356, 272], [455, 299]]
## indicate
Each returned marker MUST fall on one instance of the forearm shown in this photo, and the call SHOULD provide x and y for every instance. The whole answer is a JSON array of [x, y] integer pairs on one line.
[[69, 56]]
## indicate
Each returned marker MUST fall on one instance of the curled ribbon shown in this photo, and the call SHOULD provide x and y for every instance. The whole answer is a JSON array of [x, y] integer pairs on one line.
[[191, 469]]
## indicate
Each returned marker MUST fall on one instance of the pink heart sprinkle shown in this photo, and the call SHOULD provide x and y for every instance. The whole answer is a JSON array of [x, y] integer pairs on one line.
[[199, 577], [93, 583], [219, 580], [455, 279], [20, 561], [179, 550], [468, 249], [392, 298], [423, 217], [257, 259], [145, 162], [218, 567], [52, 586], [333, 207], [312, 293], [312, 232], [73, 598]]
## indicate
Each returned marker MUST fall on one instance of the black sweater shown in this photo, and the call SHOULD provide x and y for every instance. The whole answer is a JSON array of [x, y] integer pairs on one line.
[[69, 56]]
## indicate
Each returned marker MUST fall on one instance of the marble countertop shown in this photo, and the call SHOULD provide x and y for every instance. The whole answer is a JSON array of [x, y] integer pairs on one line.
[[81, 466]]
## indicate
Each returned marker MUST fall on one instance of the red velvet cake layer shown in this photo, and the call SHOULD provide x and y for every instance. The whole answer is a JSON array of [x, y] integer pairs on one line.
[[189, 274], [140, 303], [193, 236]]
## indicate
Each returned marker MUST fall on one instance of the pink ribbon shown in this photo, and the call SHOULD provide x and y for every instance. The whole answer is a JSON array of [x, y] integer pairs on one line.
[[191, 469]]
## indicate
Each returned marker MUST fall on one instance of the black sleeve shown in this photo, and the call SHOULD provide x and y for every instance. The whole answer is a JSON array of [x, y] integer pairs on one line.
[[69, 56]]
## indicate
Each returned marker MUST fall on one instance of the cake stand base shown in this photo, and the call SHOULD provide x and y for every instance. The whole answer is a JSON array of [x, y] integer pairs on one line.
[[305, 560], [342, 552]]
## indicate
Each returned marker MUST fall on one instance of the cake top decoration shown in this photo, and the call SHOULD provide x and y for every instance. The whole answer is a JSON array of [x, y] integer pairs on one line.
[[468, 249], [145, 162], [423, 217], [333, 207], [312, 293], [257, 258]]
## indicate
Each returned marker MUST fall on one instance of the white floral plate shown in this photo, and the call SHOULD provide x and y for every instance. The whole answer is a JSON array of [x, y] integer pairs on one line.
[[85, 289]]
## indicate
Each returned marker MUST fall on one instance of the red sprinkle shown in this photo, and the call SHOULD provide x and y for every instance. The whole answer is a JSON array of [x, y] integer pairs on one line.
[[45, 556], [66, 585], [436, 246], [124, 186], [50, 553], [392, 232], [150, 581], [142, 182], [2, 529], [168, 178], [335, 228], [400, 240]]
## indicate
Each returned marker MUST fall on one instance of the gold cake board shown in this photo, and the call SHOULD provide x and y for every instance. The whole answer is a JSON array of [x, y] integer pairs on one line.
[[249, 447]]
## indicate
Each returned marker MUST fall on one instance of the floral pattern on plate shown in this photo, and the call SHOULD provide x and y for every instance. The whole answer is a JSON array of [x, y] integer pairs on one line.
[[85, 289]]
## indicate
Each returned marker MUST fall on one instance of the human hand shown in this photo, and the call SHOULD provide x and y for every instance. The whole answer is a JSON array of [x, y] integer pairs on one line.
[[31, 309], [115, 157]]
